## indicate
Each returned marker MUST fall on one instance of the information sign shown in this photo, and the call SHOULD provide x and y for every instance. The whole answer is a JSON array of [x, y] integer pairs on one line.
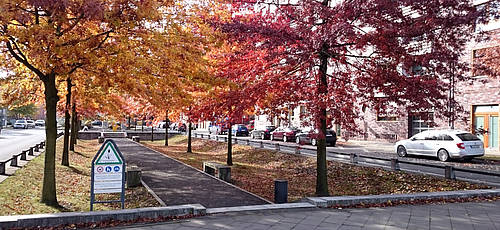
[[108, 173]]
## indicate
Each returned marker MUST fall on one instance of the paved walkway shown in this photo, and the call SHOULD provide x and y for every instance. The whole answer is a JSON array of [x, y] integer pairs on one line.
[[176, 183], [457, 216]]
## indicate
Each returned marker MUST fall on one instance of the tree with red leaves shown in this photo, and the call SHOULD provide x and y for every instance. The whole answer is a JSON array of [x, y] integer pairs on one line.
[[339, 56]]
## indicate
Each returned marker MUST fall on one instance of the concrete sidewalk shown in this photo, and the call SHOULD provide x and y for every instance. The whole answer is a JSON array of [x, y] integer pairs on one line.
[[436, 216], [176, 183]]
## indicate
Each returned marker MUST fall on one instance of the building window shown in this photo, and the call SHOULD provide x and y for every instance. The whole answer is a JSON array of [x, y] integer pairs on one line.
[[419, 122], [384, 116]]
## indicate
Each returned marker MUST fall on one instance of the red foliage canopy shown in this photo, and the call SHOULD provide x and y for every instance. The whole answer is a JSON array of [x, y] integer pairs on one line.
[[376, 52]]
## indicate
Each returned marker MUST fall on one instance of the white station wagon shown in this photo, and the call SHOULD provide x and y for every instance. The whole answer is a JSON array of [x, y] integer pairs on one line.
[[444, 144]]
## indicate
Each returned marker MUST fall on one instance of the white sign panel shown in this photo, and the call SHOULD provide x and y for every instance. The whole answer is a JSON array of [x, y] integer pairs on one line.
[[108, 178], [108, 173]]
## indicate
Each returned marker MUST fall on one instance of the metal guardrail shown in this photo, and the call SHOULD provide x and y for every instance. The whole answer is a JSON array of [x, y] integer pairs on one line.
[[393, 163]]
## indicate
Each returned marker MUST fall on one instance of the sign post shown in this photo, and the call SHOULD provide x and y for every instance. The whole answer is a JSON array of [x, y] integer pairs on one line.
[[108, 174]]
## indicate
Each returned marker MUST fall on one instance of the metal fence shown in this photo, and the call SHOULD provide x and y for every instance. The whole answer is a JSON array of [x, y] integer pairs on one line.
[[449, 172]]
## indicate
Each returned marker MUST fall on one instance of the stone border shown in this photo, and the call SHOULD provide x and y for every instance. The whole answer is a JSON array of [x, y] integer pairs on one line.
[[56, 219], [261, 207], [324, 202]]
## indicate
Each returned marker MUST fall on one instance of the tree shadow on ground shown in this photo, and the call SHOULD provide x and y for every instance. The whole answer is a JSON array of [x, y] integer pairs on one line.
[[78, 171], [81, 154]]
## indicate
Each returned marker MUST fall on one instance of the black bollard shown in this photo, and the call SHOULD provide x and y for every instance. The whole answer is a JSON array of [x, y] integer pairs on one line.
[[280, 191]]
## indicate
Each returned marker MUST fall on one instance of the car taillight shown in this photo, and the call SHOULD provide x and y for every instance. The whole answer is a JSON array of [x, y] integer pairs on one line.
[[461, 145]]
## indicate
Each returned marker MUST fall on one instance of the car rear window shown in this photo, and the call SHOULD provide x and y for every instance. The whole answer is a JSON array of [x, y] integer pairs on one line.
[[468, 137]]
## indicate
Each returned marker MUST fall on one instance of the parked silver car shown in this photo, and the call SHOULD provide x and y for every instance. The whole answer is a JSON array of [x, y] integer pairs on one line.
[[31, 124], [21, 124], [443, 144], [40, 123]]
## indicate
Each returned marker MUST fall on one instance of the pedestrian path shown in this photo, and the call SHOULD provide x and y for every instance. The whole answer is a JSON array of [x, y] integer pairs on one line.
[[176, 183], [456, 216]]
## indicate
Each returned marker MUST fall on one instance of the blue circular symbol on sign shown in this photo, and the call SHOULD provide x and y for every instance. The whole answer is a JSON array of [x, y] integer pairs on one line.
[[116, 168], [108, 168]]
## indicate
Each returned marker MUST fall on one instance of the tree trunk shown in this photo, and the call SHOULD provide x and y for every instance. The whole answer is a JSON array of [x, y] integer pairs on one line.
[[321, 171], [67, 117], [229, 160], [189, 150], [74, 128], [167, 125], [49, 196]]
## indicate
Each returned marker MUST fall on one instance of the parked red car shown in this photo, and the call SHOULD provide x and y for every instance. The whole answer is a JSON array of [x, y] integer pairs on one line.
[[284, 133], [310, 136]]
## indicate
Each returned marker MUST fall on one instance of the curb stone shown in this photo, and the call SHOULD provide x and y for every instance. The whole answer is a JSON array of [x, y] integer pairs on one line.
[[324, 202], [55, 219], [300, 205]]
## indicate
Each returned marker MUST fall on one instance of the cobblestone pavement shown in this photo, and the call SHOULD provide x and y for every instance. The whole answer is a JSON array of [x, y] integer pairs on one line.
[[436, 216]]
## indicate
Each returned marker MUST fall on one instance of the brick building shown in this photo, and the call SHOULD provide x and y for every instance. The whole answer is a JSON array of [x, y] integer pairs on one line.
[[479, 98]]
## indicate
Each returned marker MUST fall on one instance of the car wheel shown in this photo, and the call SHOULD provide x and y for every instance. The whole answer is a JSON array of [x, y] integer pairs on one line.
[[401, 151], [297, 140], [271, 138], [313, 142], [285, 139], [443, 155]]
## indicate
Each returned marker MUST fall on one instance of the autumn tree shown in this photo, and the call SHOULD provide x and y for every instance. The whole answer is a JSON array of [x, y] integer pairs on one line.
[[337, 57], [54, 39]]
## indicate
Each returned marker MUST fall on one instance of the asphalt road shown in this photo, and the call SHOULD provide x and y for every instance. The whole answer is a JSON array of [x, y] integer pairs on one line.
[[13, 141]]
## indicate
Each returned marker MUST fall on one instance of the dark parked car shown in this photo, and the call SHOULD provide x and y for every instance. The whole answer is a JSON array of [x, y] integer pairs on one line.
[[239, 130], [182, 128], [262, 133], [284, 133], [310, 136]]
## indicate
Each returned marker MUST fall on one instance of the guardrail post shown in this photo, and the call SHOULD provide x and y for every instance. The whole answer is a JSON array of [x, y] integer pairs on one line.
[[23, 154], [262, 144], [42, 144], [37, 148], [297, 149], [449, 172], [2, 168], [280, 191], [354, 158], [248, 142], [395, 164], [13, 161], [216, 138], [225, 139], [31, 151], [277, 147], [201, 134]]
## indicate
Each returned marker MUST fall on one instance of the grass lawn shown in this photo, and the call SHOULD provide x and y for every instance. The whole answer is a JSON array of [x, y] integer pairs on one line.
[[255, 170], [20, 193]]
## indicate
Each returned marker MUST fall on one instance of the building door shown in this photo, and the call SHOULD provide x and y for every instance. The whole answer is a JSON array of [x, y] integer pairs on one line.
[[485, 125], [479, 127], [493, 132]]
